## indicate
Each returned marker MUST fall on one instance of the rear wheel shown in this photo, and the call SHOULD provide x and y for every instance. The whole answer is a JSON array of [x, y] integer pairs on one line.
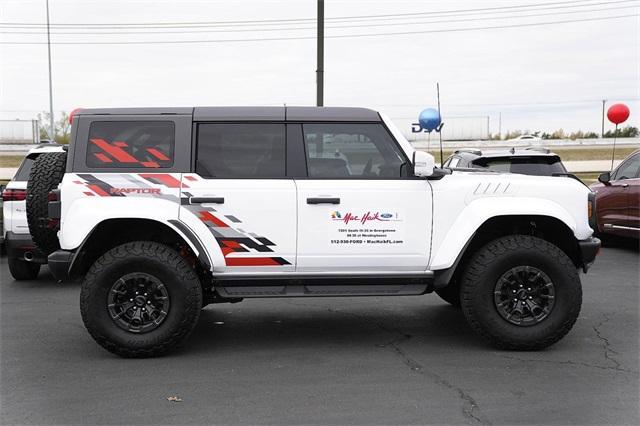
[[46, 174], [140, 299], [521, 293], [22, 270]]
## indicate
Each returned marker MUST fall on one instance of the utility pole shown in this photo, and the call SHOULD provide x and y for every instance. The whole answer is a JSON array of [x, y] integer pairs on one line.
[[52, 134], [488, 127], [602, 131], [320, 52]]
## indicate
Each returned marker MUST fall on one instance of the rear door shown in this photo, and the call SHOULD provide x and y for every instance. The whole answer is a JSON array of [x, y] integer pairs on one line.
[[358, 209], [239, 200]]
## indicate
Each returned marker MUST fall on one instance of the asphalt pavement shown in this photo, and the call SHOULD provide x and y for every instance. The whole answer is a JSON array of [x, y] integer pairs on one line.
[[375, 360]]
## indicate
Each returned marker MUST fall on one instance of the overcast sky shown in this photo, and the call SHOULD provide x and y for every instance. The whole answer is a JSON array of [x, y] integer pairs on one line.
[[539, 77]]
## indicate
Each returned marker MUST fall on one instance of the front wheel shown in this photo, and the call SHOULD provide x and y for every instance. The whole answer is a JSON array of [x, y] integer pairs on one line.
[[521, 293], [140, 299]]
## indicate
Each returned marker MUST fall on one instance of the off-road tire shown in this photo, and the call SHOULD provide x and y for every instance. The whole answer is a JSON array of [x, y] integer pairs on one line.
[[164, 263], [450, 294], [487, 266], [21, 270], [46, 174]]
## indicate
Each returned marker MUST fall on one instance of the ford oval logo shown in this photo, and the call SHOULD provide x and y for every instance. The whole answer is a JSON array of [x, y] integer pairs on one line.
[[386, 215]]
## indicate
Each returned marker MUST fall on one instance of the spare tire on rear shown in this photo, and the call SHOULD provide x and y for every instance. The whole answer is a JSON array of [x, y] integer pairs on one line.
[[46, 173]]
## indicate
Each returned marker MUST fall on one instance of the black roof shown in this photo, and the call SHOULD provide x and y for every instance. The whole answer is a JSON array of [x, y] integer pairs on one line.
[[233, 113]]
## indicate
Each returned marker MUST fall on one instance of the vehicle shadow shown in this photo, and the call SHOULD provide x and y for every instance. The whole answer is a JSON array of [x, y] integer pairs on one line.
[[304, 324], [44, 280], [625, 243]]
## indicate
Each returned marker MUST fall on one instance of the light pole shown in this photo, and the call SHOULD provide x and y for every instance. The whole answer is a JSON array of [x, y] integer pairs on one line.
[[52, 134], [320, 53], [604, 101]]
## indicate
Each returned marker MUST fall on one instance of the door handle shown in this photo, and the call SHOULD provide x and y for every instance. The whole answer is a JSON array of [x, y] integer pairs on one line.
[[625, 185], [206, 200], [323, 200]]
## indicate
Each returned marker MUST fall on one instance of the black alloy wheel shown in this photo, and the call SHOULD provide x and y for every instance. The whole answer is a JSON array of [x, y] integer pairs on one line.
[[138, 302], [524, 295]]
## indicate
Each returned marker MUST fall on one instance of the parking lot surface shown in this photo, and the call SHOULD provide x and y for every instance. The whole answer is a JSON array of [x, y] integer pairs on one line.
[[393, 360]]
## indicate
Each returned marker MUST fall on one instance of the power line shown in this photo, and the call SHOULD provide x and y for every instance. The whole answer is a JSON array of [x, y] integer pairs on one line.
[[536, 24], [573, 12], [297, 21]]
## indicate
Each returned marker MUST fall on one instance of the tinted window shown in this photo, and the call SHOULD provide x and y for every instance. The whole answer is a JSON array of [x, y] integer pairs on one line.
[[630, 169], [25, 168], [129, 144], [542, 166], [241, 150], [352, 151]]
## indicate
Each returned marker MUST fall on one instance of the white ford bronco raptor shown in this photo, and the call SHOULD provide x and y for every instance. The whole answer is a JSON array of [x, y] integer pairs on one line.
[[164, 210]]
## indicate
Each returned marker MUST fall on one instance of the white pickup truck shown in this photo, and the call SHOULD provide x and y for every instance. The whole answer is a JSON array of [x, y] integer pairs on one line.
[[164, 210]]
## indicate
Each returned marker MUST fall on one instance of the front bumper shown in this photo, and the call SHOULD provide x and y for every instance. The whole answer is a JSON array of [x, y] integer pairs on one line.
[[589, 248], [21, 246]]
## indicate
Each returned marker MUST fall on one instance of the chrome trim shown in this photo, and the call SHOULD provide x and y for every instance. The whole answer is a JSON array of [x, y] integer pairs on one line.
[[626, 228]]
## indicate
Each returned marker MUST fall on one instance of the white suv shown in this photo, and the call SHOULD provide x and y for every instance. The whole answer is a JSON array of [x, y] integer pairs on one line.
[[24, 258], [164, 210]]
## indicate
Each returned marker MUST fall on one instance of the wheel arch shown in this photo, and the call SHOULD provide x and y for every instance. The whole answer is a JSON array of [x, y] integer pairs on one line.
[[549, 228], [110, 233]]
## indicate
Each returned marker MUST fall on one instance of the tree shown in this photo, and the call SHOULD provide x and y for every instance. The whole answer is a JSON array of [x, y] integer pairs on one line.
[[625, 132], [512, 134], [558, 134], [62, 127]]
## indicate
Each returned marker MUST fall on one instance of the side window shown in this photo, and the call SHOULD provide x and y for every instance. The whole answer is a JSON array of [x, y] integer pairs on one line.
[[630, 169], [453, 162], [241, 150], [25, 168], [343, 151], [499, 165], [127, 144]]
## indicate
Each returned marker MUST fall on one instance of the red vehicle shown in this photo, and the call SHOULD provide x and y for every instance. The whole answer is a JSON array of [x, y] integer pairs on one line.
[[618, 199]]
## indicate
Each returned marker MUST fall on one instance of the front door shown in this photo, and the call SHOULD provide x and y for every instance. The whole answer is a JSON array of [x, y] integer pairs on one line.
[[619, 200], [358, 210], [239, 201]]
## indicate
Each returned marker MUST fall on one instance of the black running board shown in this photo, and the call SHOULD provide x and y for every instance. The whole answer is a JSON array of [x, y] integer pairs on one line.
[[323, 285]]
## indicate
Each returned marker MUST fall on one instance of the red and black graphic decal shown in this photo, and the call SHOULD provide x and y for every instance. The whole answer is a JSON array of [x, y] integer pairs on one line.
[[162, 179], [120, 185], [233, 240], [96, 186], [119, 152]]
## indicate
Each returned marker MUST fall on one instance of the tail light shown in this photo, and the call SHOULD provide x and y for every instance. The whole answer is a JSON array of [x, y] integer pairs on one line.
[[54, 209], [73, 114], [14, 194], [591, 211]]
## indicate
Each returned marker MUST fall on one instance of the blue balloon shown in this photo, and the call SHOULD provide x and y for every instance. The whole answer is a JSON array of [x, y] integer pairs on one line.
[[429, 119]]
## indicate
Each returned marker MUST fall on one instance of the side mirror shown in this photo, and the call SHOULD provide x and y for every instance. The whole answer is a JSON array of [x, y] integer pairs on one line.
[[605, 178], [423, 164]]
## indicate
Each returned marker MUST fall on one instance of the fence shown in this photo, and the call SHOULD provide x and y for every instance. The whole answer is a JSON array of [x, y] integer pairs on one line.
[[19, 132], [455, 128]]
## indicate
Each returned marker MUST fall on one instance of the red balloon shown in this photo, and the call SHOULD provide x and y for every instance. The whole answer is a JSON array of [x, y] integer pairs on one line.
[[618, 113]]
